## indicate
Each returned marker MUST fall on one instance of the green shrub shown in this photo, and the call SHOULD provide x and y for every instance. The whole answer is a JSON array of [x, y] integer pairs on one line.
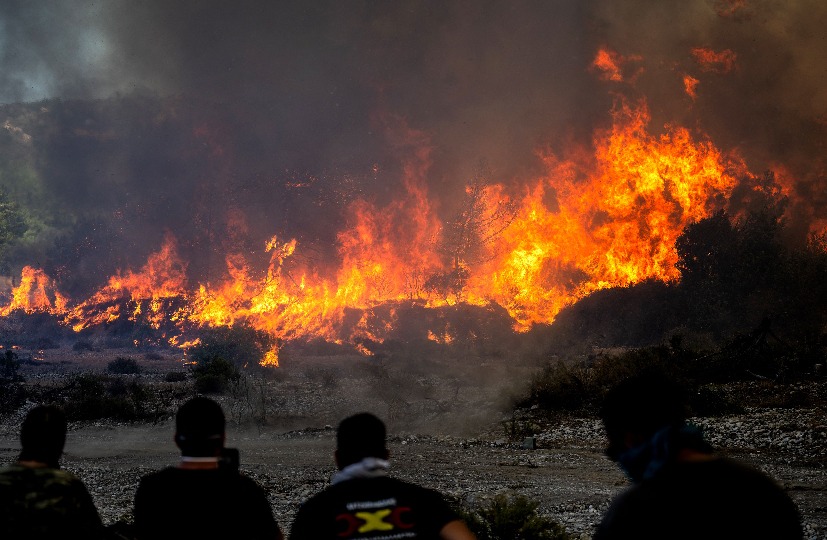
[[92, 397], [560, 386], [238, 345], [214, 375], [123, 366], [513, 518]]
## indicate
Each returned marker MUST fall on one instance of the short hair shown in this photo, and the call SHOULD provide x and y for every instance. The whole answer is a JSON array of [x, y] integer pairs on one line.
[[199, 427], [359, 436], [43, 435], [642, 404]]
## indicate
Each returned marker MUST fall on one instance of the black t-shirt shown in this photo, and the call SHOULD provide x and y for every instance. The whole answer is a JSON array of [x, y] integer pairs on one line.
[[719, 498], [372, 508], [212, 503]]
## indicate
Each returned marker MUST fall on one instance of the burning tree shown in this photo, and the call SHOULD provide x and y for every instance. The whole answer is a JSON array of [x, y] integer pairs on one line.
[[468, 237]]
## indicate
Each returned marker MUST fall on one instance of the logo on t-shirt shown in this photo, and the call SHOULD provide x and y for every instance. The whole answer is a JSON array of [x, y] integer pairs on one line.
[[379, 520]]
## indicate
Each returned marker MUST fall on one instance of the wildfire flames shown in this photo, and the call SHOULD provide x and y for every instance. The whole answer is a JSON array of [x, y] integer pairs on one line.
[[715, 61], [606, 220]]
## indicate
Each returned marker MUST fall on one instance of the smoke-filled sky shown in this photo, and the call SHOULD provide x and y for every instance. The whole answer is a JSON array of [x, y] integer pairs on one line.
[[333, 88]]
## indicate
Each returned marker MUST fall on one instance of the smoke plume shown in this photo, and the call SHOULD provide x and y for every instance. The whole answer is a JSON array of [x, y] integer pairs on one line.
[[294, 107]]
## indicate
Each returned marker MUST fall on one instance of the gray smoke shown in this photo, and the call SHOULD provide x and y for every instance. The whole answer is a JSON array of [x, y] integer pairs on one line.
[[311, 85]]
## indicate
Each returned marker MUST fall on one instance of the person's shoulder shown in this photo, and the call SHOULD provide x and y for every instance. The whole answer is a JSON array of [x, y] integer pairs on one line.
[[166, 472], [321, 497], [10, 468], [385, 486], [161, 476], [745, 474], [48, 483], [245, 482], [9, 473], [45, 475], [737, 466], [59, 476]]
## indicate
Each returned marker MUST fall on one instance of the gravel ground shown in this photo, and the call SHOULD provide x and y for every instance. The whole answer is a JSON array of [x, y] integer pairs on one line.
[[458, 445], [566, 473]]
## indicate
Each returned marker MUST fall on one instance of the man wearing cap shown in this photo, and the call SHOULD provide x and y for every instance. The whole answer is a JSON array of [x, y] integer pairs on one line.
[[364, 503], [200, 498]]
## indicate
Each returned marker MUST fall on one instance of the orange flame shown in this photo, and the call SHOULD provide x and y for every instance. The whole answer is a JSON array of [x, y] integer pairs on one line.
[[610, 66], [715, 61], [588, 223], [36, 292], [162, 277], [616, 228], [690, 84], [608, 63], [729, 8]]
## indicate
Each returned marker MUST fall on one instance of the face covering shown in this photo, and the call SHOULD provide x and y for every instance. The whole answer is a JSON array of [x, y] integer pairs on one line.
[[647, 460]]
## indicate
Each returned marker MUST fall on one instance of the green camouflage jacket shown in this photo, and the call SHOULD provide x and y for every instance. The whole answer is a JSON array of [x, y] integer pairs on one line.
[[45, 503]]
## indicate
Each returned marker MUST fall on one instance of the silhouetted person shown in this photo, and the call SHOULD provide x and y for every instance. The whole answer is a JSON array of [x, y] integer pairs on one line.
[[363, 502], [37, 498], [680, 487], [201, 498]]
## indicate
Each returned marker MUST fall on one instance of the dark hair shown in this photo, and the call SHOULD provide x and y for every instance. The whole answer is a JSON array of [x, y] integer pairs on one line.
[[359, 436], [43, 434], [642, 404], [199, 427]]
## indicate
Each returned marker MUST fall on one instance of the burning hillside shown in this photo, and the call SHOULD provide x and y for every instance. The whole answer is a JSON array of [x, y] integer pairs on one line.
[[222, 206], [607, 221]]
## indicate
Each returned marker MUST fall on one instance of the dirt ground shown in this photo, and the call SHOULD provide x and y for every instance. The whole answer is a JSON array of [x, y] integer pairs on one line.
[[448, 426]]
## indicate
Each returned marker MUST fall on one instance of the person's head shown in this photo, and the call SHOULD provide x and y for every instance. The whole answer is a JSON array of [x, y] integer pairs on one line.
[[199, 428], [360, 436], [43, 435], [640, 406]]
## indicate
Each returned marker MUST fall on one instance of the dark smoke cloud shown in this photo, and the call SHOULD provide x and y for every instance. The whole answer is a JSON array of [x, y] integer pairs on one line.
[[485, 79], [294, 90]]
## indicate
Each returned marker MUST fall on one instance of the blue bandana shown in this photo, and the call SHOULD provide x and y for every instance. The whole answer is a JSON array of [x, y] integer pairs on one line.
[[645, 461]]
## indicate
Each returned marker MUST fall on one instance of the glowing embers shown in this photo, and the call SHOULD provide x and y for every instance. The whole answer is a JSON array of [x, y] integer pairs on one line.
[[690, 84], [715, 61]]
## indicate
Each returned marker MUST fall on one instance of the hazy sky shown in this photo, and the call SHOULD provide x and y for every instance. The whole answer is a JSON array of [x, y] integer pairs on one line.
[[482, 78]]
